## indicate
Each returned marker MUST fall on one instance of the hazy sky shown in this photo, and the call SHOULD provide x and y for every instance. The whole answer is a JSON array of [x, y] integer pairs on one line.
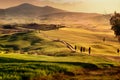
[[99, 6]]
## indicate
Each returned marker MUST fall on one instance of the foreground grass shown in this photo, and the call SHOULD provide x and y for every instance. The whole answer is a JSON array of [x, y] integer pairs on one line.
[[39, 67]]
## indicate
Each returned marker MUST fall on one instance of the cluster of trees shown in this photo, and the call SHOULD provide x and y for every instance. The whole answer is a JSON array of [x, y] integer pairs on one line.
[[43, 27], [115, 22]]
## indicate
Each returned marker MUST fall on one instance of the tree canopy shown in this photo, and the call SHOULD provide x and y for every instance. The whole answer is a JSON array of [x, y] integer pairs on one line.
[[115, 22]]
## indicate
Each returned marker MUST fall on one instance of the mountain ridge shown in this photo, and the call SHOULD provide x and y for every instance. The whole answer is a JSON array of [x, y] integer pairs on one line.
[[27, 9], [47, 14]]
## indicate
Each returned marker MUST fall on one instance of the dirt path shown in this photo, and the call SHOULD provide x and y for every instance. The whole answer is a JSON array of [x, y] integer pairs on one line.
[[113, 58], [68, 45]]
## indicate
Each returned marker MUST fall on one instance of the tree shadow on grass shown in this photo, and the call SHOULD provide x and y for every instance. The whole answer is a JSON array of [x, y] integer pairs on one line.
[[81, 64], [26, 69], [11, 60]]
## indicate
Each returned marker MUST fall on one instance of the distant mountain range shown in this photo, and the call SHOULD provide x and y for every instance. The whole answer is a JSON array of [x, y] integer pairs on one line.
[[51, 15], [29, 10]]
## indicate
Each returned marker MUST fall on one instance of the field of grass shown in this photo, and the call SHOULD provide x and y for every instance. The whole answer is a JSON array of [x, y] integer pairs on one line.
[[43, 42], [54, 60], [87, 38], [29, 42], [28, 67]]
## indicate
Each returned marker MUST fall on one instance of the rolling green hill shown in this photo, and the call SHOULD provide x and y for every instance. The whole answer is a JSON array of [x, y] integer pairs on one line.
[[28, 42], [43, 58]]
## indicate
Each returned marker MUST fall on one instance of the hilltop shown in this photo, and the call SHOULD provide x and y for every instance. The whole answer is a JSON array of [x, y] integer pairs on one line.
[[27, 10], [27, 13]]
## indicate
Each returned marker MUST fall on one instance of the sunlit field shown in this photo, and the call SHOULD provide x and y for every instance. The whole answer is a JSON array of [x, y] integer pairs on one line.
[[46, 59], [59, 40], [86, 38]]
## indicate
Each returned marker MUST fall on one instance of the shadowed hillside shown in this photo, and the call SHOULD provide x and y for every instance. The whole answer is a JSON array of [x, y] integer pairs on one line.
[[27, 13], [29, 42], [27, 10], [2, 13]]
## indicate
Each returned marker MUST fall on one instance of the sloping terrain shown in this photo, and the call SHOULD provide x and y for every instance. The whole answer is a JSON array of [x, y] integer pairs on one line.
[[28, 13], [28, 42], [42, 58], [2, 13], [29, 10], [86, 38], [84, 19]]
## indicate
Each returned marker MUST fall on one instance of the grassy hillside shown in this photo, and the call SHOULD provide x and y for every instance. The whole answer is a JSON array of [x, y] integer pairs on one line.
[[55, 60], [43, 42], [86, 38], [28, 42]]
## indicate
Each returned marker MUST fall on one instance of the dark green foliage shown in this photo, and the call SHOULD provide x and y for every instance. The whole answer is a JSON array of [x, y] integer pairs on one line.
[[14, 69], [9, 26], [115, 22], [32, 39], [5, 37], [14, 47], [11, 46], [44, 27], [10, 60], [26, 49], [18, 69], [12, 41]]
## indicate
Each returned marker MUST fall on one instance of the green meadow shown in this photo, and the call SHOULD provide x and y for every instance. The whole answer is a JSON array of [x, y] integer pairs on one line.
[[36, 56], [29, 67]]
